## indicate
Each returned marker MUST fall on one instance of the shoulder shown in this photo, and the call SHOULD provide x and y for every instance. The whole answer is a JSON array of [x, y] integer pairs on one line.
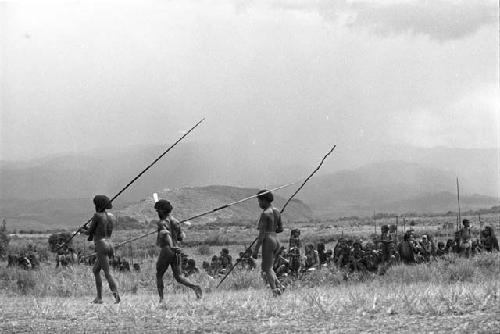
[[267, 213], [173, 220], [111, 217]]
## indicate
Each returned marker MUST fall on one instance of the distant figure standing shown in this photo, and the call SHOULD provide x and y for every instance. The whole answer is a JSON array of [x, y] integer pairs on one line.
[[464, 239], [268, 224], [170, 255], [294, 241], [100, 230]]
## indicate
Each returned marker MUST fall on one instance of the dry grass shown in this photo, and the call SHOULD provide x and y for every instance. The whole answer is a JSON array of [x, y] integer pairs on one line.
[[451, 294]]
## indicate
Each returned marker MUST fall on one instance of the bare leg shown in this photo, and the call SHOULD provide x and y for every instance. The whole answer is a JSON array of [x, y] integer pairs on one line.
[[98, 282], [161, 267], [176, 270]]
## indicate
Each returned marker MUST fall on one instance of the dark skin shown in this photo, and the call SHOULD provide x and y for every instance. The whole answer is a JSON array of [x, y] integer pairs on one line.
[[102, 264], [269, 272], [167, 257], [263, 204]]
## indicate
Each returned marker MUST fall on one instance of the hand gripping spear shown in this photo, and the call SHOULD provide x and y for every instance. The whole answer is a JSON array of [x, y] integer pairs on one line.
[[281, 211], [136, 178]]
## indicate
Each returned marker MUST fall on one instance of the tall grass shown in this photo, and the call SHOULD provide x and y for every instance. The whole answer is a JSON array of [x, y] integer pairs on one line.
[[79, 281]]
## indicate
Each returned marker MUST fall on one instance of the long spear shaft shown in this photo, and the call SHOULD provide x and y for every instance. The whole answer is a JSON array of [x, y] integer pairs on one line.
[[282, 209], [459, 218], [204, 214], [138, 176]]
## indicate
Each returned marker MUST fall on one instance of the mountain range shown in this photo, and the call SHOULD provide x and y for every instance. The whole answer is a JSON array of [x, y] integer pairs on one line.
[[57, 190]]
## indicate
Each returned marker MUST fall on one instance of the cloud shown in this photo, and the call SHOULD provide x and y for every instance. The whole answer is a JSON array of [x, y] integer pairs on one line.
[[472, 121], [441, 20]]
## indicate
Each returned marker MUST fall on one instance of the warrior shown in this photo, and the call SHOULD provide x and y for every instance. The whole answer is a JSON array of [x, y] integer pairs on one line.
[[268, 224], [168, 235], [323, 255], [441, 249], [406, 249], [312, 258], [191, 268], [464, 238], [100, 230], [426, 248], [226, 259], [488, 240], [294, 241]]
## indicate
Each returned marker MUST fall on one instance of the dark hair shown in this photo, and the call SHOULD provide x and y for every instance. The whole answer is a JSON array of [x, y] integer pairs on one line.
[[102, 202], [164, 205], [265, 195]]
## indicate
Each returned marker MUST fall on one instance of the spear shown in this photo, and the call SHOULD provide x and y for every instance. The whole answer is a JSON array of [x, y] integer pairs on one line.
[[186, 221], [397, 236], [136, 178], [458, 201], [283, 208]]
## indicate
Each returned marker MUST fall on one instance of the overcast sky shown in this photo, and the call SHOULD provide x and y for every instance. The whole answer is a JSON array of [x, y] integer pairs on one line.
[[78, 75]]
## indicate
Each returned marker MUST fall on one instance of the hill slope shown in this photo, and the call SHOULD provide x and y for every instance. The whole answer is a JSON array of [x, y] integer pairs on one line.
[[188, 202], [390, 186], [70, 213]]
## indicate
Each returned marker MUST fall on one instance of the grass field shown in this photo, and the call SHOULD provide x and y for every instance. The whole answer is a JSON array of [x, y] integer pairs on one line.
[[449, 295], [452, 294]]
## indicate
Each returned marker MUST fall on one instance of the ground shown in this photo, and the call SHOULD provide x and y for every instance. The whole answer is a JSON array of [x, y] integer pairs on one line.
[[229, 312], [447, 295]]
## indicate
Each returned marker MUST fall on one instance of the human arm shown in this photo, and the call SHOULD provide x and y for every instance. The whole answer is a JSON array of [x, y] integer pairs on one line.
[[167, 237], [89, 229], [263, 221]]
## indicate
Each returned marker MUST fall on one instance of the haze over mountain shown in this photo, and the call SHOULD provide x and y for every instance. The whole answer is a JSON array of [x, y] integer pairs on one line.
[[192, 201], [392, 186], [353, 181]]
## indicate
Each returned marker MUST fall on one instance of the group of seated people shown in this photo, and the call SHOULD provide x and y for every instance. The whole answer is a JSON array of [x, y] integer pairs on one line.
[[219, 265], [374, 255]]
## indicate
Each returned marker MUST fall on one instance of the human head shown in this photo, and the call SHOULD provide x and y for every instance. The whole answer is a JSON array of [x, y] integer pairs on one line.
[[384, 228], [265, 198], [225, 251], [163, 208], [101, 203], [295, 233], [466, 222]]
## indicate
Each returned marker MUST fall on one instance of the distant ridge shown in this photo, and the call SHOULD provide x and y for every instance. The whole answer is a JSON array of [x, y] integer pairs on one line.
[[392, 186], [190, 201]]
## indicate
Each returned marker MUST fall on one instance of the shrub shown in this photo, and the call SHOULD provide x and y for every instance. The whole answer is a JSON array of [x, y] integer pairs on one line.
[[57, 239], [204, 250], [26, 282], [217, 239]]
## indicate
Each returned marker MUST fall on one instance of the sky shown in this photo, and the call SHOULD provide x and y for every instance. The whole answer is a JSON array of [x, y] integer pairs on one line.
[[276, 76]]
